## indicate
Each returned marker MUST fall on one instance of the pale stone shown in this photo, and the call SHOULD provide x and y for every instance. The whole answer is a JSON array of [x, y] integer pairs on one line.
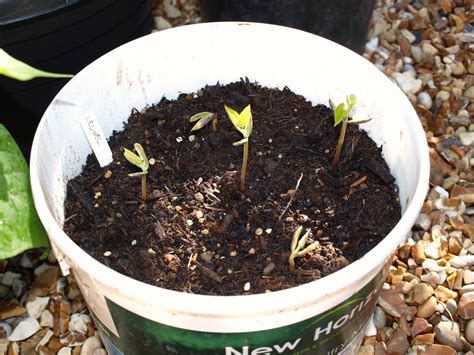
[[466, 289], [442, 95], [458, 68], [416, 53], [37, 306], [91, 344], [467, 138], [443, 294], [432, 278], [408, 35], [423, 221], [9, 277], [78, 323], [407, 82], [452, 306], [25, 329], [436, 249], [448, 333], [427, 309], [469, 331], [468, 276], [462, 261], [379, 318], [171, 11], [466, 305], [424, 99], [432, 265], [372, 45], [161, 23], [65, 351], [47, 319], [421, 293], [469, 93]]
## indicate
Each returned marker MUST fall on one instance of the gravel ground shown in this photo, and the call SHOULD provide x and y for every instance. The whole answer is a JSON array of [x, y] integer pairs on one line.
[[427, 303]]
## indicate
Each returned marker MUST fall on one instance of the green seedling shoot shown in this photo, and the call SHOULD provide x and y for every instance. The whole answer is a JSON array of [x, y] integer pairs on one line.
[[203, 118], [15, 69], [341, 114], [244, 124], [141, 161], [298, 244]]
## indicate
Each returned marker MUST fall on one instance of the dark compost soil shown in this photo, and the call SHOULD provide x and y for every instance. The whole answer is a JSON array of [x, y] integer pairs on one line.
[[197, 232]]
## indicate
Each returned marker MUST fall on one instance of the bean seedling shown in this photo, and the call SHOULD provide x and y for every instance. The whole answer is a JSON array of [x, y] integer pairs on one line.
[[203, 118], [140, 161], [244, 124], [298, 244], [341, 114]]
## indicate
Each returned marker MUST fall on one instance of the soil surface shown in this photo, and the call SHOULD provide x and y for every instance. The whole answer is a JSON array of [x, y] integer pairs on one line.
[[197, 232]]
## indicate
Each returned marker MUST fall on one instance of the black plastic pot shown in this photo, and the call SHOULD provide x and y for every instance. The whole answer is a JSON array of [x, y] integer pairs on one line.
[[60, 36], [343, 21]]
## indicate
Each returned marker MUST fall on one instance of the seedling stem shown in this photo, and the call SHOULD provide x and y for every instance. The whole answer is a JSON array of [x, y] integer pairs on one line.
[[341, 114], [244, 124], [140, 161]]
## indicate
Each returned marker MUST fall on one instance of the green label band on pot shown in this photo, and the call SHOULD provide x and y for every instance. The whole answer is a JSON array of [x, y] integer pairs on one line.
[[336, 330]]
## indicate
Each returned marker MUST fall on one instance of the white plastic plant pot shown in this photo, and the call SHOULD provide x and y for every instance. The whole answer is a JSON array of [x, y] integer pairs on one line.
[[326, 316]]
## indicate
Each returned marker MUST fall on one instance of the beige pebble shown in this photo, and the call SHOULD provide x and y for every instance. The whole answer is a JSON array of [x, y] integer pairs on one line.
[[443, 294], [427, 309], [466, 305]]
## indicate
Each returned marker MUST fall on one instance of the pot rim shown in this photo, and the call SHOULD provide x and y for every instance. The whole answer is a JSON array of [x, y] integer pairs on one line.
[[240, 305]]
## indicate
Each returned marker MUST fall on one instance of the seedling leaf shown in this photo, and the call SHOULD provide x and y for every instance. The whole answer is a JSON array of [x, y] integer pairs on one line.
[[200, 116], [203, 119], [141, 161], [132, 157], [15, 69], [243, 121], [143, 157], [339, 114]]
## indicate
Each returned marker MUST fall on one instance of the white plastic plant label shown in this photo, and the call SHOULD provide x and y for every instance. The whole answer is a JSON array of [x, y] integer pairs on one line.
[[96, 138]]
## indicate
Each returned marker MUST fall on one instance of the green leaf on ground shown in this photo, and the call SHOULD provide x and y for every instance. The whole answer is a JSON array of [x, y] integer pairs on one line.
[[20, 227]]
